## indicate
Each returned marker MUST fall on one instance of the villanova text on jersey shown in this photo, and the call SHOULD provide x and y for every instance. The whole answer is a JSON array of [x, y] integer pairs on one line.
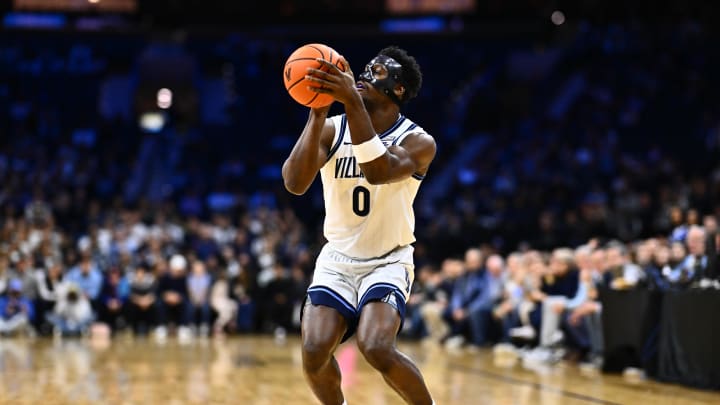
[[347, 168]]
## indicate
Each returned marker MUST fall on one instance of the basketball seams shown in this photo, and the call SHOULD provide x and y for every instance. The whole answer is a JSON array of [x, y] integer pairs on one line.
[[296, 83], [311, 100], [322, 54], [303, 60], [297, 59]]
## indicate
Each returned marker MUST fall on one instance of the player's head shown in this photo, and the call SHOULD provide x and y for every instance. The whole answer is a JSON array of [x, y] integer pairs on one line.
[[394, 74]]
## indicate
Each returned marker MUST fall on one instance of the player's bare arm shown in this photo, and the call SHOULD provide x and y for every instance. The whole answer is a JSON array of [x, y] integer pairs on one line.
[[309, 153], [412, 156]]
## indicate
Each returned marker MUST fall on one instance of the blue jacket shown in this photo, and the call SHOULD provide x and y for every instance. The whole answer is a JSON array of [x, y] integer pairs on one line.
[[475, 291], [10, 307]]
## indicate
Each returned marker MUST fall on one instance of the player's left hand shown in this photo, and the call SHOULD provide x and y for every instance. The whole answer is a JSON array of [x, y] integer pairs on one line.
[[333, 81]]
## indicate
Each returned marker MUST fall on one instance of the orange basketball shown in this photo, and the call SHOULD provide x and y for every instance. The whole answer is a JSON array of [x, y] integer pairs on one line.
[[296, 69]]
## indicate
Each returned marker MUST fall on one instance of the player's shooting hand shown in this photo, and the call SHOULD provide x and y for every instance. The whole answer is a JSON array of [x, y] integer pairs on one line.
[[333, 81]]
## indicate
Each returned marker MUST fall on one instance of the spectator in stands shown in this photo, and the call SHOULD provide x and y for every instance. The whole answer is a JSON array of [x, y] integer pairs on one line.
[[583, 323], [173, 301], [113, 298], [695, 264], [506, 312], [242, 293], [50, 287], [4, 273], [678, 253], [225, 307], [141, 311], [22, 270], [560, 286], [621, 273], [16, 310], [88, 277], [279, 301], [199, 282], [72, 314], [659, 271], [466, 300], [438, 288]]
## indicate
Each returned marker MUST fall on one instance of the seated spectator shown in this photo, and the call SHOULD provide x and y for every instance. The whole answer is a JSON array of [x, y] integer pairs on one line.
[[223, 304], [526, 321], [506, 312], [142, 300], [199, 291], [50, 286], [438, 289], [240, 289], [621, 273], [695, 264], [113, 297], [678, 253], [560, 287], [72, 314], [279, 296], [658, 272], [481, 311], [22, 270], [4, 274], [88, 277], [472, 300], [421, 292], [16, 310], [583, 324], [173, 304]]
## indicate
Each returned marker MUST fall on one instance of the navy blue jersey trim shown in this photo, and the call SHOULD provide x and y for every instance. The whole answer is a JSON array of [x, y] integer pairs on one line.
[[321, 295], [417, 176], [410, 128], [393, 128], [369, 292], [378, 291], [334, 294], [341, 136]]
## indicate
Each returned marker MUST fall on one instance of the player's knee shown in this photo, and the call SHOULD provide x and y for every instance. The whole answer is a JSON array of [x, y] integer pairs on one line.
[[316, 353], [379, 352]]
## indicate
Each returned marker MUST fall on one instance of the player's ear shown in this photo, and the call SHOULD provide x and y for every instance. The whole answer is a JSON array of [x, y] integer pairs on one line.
[[400, 91]]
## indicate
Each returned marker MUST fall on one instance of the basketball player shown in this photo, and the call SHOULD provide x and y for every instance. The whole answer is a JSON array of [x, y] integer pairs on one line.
[[371, 160]]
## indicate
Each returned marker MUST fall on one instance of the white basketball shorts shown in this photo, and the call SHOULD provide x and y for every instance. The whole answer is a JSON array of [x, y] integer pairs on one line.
[[347, 284]]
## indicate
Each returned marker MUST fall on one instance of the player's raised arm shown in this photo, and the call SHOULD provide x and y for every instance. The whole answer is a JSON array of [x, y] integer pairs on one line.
[[309, 153], [372, 105]]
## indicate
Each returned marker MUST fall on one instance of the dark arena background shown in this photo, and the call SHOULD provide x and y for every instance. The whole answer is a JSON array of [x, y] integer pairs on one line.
[[567, 231]]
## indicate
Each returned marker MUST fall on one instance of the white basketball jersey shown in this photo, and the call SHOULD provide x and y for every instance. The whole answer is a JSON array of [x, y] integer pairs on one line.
[[364, 220]]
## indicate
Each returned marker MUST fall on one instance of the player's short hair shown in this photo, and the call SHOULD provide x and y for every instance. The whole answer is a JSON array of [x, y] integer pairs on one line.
[[411, 74]]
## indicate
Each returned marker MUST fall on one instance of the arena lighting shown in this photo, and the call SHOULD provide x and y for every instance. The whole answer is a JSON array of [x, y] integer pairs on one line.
[[164, 98], [152, 122], [557, 17], [94, 1]]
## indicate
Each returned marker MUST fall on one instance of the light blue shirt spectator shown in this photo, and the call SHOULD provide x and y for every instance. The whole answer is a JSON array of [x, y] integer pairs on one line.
[[687, 268], [87, 276]]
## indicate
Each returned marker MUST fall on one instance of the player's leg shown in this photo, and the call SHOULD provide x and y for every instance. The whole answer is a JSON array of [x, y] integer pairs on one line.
[[322, 330], [329, 314], [376, 334], [383, 294]]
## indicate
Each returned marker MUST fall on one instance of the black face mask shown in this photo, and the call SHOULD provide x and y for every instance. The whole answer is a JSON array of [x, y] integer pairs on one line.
[[384, 73]]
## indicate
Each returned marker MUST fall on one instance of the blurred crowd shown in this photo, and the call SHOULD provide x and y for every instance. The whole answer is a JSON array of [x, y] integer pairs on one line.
[[148, 272], [549, 301], [617, 142]]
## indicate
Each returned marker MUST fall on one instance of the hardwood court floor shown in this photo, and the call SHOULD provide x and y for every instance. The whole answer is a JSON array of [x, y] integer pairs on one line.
[[256, 370]]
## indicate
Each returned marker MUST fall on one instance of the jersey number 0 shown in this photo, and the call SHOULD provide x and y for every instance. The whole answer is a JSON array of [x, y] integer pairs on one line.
[[361, 201]]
